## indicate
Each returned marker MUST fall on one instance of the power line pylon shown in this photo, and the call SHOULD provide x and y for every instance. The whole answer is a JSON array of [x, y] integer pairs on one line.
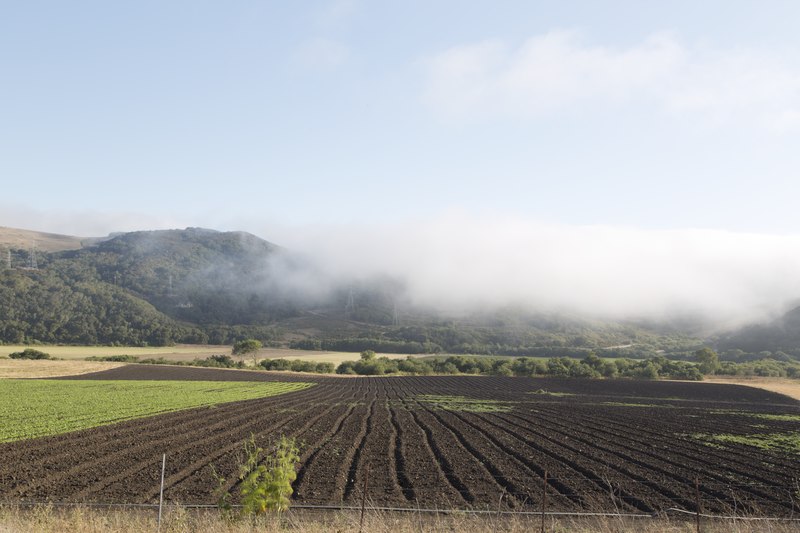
[[32, 259], [350, 307]]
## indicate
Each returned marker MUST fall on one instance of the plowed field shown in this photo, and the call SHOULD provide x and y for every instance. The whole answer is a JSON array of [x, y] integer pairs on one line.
[[454, 442]]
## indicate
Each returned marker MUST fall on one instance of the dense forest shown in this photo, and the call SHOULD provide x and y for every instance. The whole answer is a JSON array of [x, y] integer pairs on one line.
[[202, 286]]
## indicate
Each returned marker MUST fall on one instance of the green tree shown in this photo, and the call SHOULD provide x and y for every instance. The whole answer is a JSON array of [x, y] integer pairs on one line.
[[708, 360], [248, 346]]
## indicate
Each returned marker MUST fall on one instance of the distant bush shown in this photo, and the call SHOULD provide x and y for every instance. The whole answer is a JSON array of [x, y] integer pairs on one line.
[[297, 365], [763, 368], [217, 361], [114, 358], [29, 353], [591, 367], [306, 344], [157, 361]]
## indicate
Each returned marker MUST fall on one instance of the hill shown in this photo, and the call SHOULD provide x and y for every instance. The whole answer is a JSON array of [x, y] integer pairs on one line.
[[780, 336], [138, 288], [45, 242], [203, 286]]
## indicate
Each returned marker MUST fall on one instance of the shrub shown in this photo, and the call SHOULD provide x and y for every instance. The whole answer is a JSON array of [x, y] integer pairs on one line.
[[29, 353], [646, 371], [609, 369], [268, 486], [276, 364], [558, 367], [346, 368], [414, 366], [265, 482], [298, 365], [325, 368], [583, 370]]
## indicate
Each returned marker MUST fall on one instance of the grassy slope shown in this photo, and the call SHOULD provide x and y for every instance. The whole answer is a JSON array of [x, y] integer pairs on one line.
[[48, 407], [45, 242]]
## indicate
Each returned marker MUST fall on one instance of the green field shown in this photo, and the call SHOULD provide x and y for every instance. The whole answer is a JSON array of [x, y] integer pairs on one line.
[[35, 408]]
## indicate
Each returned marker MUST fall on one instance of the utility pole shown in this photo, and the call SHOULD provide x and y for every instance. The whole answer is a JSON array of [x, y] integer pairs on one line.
[[33, 264]]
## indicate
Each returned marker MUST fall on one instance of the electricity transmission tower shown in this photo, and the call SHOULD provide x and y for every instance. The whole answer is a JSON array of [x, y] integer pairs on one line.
[[33, 265]]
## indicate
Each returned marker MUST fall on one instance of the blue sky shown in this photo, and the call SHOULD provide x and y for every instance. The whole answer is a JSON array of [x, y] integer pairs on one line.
[[253, 115]]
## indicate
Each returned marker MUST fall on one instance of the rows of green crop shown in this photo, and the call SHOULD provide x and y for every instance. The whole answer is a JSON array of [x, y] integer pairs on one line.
[[34, 408]]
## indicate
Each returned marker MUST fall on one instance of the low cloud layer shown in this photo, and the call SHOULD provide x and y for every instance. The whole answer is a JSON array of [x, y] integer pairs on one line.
[[457, 262], [557, 71]]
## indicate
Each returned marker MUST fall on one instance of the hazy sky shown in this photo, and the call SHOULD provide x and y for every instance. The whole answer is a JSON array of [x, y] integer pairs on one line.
[[262, 115]]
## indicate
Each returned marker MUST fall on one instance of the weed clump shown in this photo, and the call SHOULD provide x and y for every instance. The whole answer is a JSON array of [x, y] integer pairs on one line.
[[265, 480]]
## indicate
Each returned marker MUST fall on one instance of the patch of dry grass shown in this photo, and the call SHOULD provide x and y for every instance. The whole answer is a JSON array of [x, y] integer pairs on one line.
[[180, 352], [180, 520], [789, 387], [45, 242], [45, 368], [187, 352], [318, 357]]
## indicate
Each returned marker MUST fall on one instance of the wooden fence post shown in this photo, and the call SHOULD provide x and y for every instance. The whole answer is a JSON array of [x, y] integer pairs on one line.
[[697, 502], [161, 493], [363, 500]]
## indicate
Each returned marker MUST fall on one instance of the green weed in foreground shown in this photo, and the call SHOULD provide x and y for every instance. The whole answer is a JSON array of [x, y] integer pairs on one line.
[[35, 408], [763, 416], [546, 392], [623, 404], [265, 479], [789, 442], [462, 403]]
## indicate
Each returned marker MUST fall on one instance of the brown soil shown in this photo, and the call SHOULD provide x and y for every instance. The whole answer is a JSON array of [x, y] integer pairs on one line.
[[605, 445]]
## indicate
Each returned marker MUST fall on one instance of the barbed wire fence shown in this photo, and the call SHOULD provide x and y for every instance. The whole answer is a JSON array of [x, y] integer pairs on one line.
[[366, 504]]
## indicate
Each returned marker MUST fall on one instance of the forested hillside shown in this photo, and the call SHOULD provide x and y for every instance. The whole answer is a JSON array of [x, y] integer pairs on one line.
[[140, 288], [203, 286]]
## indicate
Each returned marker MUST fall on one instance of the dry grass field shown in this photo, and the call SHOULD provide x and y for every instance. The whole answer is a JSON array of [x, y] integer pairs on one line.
[[185, 352], [45, 242], [181, 520], [20, 368], [177, 353], [789, 387]]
